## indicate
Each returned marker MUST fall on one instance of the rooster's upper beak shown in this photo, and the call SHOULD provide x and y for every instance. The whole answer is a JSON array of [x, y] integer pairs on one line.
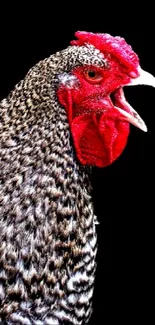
[[144, 78]]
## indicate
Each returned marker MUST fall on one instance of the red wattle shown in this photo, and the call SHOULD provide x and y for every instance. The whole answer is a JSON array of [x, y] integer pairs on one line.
[[99, 140]]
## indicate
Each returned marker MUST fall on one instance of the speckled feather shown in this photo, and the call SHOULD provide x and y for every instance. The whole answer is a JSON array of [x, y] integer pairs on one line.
[[47, 223]]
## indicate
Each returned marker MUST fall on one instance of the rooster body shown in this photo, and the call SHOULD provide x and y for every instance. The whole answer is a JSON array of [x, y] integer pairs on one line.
[[47, 223]]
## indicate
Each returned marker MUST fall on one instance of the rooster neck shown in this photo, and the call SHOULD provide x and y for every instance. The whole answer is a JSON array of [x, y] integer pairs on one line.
[[46, 217]]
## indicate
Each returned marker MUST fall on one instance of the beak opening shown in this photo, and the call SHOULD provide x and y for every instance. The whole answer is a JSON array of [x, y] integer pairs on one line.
[[129, 114], [126, 111]]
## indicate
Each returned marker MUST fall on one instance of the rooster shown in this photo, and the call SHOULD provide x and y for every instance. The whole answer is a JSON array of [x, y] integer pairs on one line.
[[67, 115]]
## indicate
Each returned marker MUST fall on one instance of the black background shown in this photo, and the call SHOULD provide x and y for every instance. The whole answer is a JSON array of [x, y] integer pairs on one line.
[[124, 192]]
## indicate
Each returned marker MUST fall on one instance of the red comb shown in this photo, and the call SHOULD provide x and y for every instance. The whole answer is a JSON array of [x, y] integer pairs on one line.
[[106, 43]]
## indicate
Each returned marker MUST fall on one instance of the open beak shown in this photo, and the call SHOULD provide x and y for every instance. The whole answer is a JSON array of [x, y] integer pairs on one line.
[[124, 108]]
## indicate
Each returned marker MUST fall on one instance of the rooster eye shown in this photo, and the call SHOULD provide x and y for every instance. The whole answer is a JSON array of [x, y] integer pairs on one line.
[[93, 75]]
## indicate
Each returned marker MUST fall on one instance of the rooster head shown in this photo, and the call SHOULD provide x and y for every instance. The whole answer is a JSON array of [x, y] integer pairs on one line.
[[91, 90]]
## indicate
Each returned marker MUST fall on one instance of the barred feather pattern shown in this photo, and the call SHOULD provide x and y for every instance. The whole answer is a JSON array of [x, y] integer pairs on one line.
[[47, 224]]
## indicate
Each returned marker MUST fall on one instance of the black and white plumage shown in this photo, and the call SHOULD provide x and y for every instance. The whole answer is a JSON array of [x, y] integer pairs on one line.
[[48, 238], [47, 224]]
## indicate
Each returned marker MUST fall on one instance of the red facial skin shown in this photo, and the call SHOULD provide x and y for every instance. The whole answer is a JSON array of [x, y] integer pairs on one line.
[[97, 128]]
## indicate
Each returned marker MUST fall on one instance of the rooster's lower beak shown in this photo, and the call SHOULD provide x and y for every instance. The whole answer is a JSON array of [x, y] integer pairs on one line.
[[130, 115]]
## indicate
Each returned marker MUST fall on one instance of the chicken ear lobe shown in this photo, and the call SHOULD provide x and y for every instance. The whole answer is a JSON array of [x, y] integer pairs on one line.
[[65, 99]]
